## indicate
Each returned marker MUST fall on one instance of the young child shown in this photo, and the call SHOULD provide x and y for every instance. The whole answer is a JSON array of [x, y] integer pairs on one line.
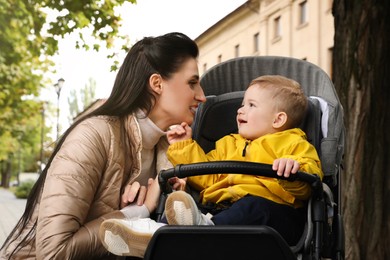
[[272, 109]]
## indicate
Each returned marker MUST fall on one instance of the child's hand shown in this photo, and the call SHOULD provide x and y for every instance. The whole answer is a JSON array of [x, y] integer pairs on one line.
[[179, 133], [285, 167], [177, 183]]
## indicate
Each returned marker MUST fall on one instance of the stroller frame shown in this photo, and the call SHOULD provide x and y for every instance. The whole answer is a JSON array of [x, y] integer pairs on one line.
[[224, 86]]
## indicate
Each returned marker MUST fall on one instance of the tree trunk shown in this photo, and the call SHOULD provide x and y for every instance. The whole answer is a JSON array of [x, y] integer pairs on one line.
[[361, 74], [6, 173]]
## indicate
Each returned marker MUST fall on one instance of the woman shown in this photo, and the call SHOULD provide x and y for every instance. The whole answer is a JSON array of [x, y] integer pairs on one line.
[[106, 160]]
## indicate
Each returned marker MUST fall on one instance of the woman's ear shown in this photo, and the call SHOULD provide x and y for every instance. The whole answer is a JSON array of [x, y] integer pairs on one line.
[[155, 82], [279, 120]]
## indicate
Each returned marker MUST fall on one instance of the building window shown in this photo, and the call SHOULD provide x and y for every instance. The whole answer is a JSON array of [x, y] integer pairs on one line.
[[277, 27], [237, 50], [219, 58], [256, 43], [303, 13]]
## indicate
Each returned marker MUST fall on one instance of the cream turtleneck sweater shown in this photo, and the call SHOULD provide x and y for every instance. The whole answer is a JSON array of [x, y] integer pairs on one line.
[[151, 134]]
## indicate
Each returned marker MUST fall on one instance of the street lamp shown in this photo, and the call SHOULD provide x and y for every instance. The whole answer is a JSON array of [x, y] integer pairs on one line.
[[58, 87]]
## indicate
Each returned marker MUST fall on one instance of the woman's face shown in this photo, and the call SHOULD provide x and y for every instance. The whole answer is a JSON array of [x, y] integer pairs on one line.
[[179, 97]]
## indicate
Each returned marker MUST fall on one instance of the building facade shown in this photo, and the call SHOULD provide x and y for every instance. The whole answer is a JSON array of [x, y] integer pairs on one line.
[[302, 29]]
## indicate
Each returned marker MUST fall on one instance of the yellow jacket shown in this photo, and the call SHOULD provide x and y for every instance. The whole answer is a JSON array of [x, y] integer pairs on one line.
[[215, 188]]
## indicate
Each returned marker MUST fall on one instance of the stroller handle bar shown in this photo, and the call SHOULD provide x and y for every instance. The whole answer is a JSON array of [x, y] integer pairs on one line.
[[240, 167]]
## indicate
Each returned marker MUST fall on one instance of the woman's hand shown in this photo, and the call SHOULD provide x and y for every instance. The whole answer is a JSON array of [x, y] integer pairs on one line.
[[134, 192], [153, 194]]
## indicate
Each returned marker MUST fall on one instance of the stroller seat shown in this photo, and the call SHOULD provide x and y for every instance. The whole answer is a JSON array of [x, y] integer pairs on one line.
[[224, 87]]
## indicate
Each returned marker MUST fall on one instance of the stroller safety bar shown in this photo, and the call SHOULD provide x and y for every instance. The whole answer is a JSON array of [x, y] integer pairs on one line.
[[251, 168], [233, 167]]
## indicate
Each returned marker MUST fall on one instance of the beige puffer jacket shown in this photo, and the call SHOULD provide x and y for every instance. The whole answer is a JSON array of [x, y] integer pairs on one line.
[[83, 187]]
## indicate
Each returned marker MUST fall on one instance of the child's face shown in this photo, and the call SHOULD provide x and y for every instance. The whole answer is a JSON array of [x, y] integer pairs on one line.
[[256, 115]]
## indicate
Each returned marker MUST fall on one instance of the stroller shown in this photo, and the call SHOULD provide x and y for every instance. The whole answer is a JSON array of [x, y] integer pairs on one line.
[[224, 86]]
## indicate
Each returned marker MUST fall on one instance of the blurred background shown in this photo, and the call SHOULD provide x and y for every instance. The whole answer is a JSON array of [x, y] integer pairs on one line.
[[58, 60]]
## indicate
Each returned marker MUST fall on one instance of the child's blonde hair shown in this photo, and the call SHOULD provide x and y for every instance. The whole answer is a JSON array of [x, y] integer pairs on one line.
[[288, 97]]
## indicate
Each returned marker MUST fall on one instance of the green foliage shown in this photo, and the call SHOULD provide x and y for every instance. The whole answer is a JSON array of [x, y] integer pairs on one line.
[[23, 190], [29, 34], [88, 94], [79, 100], [74, 107]]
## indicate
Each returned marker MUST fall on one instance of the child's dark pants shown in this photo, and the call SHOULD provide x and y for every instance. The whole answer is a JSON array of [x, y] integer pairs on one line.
[[253, 210]]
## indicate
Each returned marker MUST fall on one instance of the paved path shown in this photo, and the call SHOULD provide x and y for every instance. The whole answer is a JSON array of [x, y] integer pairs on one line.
[[11, 209]]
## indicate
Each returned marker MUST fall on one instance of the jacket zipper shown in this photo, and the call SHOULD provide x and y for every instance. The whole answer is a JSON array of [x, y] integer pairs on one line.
[[244, 151]]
